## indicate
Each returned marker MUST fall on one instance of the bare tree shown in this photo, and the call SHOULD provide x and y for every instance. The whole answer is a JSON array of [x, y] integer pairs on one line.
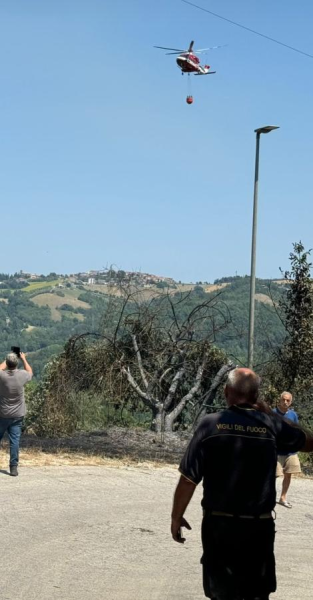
[[153, 350], [163, 350], [157, 352]]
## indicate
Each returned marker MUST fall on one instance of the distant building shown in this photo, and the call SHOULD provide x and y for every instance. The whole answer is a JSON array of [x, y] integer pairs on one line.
[[28, 275], [95, 273], [102, 276]]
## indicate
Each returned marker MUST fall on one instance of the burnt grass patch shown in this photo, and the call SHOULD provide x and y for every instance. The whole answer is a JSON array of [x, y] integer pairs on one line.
[[115, 442]]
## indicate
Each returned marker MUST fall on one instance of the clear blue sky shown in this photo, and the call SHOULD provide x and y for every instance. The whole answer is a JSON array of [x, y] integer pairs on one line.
[[102, 162]]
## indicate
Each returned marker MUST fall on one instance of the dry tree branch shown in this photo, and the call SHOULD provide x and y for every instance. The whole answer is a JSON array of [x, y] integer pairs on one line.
[[148, 400], [139, 360], [173, 311], [210, 394], [192, 392], [173, 387]]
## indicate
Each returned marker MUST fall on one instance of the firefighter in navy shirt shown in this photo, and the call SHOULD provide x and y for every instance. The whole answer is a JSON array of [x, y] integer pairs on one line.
[[234, 453]]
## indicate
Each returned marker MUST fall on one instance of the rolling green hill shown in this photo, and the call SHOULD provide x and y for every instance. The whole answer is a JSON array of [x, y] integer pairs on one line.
[[43, 316]]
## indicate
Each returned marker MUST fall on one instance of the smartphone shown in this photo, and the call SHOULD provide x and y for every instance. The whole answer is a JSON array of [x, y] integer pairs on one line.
[[16, 350]]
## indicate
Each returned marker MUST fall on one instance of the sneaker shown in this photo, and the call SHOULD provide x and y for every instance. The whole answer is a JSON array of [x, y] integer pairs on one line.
[[14, 471]]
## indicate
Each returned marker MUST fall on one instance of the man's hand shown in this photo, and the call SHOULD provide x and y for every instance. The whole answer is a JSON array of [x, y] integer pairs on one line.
[[26, 366], [176, 526], [183, 494]]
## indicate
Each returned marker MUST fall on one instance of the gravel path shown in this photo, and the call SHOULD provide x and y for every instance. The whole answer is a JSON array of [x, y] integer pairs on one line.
[[82, 533]]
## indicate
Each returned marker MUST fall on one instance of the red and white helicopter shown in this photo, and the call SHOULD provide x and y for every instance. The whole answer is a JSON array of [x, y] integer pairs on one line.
[[187, 60]]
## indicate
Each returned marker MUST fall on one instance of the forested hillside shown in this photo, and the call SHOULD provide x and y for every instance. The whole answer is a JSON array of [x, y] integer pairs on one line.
[[35, 328], [232, 298], [269, 331], [41, 319]]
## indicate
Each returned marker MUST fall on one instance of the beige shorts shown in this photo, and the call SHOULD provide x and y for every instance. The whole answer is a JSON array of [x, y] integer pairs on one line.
[[288, 464]]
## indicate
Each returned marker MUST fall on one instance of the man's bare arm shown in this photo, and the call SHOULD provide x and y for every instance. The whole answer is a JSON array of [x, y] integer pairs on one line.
[[182, 497], [3, 366], [308, 446], [26, 366]]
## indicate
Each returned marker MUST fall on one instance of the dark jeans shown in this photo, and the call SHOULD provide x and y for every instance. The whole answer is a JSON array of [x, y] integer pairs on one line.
[[238, 558], [13, 427]]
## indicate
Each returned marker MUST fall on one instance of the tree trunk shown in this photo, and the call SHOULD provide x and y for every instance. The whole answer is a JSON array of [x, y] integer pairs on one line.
[[169, 421], [158, 419], [210, 395]]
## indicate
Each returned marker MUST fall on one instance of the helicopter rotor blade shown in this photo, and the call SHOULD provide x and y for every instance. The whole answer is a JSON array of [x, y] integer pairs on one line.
[[163, 48], [191, 46], [211, 48]]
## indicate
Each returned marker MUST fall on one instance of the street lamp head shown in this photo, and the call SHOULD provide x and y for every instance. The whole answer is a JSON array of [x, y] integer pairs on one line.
[[266, 129]]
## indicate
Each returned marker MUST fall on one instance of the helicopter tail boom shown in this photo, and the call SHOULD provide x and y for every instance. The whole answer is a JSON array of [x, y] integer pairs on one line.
[[207, 73]]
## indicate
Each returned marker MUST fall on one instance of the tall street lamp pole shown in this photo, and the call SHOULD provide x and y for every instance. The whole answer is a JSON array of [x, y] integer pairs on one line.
[[253, 248]]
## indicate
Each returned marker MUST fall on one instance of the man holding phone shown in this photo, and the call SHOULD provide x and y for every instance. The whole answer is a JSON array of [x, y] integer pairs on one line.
[[12, 401]]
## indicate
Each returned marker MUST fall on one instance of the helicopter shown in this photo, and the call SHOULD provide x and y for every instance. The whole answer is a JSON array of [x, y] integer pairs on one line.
[[187, 60]]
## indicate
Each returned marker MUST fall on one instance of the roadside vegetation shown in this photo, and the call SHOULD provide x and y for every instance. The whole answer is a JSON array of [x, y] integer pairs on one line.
[[157, 362]]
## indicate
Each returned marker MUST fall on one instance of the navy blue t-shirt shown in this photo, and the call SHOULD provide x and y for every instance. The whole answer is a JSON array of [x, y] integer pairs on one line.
[[235, 453]]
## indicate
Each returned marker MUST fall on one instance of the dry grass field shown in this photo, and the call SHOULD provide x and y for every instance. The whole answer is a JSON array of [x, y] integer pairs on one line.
[[54, 302], [264, 298], [39, 285], [32, 457], [147, 293], [71, 296]]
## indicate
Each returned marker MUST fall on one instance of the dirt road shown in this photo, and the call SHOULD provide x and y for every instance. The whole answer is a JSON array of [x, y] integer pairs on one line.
[[82, 533]]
